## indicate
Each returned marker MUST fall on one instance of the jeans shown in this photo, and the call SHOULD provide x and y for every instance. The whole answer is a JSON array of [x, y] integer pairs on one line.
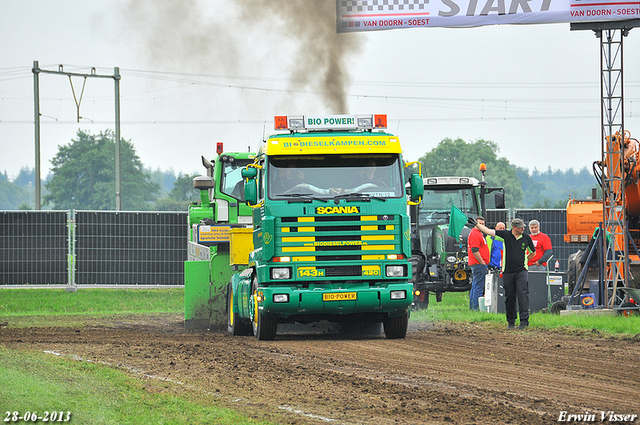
[[516, 287], [539, 268], [479, 271]]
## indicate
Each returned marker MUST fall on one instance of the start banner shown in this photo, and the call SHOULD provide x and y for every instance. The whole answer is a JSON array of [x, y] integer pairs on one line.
[[371, 15]]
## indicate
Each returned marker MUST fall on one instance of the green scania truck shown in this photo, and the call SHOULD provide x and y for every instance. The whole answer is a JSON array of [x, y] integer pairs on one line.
[[331, 237]]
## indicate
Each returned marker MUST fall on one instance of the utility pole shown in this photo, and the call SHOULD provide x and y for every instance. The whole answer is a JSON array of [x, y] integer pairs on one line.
[[36, 93]]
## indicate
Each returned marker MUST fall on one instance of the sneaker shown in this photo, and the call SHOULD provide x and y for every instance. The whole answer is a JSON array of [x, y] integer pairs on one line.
[[511, 326], [523, 326]]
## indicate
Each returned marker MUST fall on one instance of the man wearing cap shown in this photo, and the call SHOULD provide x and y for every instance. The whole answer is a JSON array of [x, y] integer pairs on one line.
[[518, 250], [544, 249], [479, 256]]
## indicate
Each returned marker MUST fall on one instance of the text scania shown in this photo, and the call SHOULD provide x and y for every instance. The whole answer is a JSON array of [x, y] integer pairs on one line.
[[492, 6], [338, 210]]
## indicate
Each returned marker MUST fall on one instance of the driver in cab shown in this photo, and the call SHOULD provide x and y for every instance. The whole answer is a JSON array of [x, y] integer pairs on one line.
[[286, 179]]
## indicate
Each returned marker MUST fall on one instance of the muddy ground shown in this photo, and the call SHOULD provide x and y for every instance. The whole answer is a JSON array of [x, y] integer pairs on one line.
[[470, 374]]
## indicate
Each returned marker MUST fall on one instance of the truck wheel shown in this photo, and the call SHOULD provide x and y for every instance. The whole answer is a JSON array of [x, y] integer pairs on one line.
[[396, 327], [264, 328], [421, 302], [626, 309], [235, 325]]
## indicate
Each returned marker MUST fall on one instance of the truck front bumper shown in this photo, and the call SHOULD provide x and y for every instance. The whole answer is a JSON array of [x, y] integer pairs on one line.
[[318, 300]]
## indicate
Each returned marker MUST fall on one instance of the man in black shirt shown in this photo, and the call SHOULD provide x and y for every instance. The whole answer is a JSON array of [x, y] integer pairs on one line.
[[518, 249]]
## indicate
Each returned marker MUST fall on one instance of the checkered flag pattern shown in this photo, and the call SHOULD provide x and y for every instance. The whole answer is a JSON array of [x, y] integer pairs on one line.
[[381, 5]]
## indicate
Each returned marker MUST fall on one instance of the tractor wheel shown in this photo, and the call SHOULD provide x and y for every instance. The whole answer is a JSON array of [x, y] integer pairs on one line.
[[396, 327], [235, 325], [626, 311], [421, 302], [557, 307], [264, 328]]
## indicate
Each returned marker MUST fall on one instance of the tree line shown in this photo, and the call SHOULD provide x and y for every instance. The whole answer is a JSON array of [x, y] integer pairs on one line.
[[83, 178], [523, 188]]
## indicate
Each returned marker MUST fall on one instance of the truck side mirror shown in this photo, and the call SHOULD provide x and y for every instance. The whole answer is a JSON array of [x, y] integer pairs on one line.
[[499, 200], [251, 191], [249, 172], [417, 186]]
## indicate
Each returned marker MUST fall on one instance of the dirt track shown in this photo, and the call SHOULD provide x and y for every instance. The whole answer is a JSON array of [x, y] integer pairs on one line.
[[438, 374]]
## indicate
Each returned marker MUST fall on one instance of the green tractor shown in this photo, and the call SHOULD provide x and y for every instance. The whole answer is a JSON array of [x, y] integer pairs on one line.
[[221, 210], [439, 261]]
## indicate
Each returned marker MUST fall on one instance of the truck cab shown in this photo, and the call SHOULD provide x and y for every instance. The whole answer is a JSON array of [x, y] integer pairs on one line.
[[331, 231]]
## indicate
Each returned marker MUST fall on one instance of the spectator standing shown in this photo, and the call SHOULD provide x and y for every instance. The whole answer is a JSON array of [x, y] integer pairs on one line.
[[478, 260], [518, 249], [544, 250], [495, 248]]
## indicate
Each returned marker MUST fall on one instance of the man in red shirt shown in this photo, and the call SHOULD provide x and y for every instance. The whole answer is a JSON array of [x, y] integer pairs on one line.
[[479, 256], [544, 250]]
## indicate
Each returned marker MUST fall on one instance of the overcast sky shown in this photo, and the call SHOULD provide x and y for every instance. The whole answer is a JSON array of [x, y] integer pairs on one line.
[[195, 73]]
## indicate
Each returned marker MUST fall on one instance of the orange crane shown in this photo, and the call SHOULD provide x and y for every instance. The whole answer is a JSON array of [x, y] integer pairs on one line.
[[620, 214]]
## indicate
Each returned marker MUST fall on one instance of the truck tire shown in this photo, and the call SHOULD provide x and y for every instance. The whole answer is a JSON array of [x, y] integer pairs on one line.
[[264, 328], [235, 325], [396, 327]]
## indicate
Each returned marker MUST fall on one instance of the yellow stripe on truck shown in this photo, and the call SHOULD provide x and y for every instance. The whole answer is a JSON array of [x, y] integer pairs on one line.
[[313, 144], [378, 247], [377, 237], [298, 239]]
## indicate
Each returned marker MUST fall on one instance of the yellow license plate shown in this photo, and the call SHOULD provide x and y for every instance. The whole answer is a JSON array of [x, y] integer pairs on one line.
[[340, 296]]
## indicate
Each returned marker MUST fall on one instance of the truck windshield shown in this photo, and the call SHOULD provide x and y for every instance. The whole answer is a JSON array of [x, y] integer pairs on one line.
[[327, 176], [231, 179], [436, 205]]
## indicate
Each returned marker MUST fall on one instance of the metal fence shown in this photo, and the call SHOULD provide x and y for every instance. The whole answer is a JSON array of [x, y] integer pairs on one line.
[[34, 247], [145, 248], [552, 222], [130, 248], [92, 248]]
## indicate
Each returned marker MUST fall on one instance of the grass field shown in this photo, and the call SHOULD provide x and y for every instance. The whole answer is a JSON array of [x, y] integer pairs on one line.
[[34, 381], [454, 308], [43, 382]]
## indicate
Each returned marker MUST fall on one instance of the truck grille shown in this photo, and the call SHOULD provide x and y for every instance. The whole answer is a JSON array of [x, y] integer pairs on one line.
[[338, 238]]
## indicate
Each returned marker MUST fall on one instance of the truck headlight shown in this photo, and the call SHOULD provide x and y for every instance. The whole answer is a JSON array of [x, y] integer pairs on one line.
[[398, 295], [451, 259], [281, 273], [280, 298], [395, 271]]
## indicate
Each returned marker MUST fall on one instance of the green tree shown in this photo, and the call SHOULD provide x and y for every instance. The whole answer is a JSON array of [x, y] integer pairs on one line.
[[164, 179], [183, 189], [25, 177], [460, 158], [12, 195], [181, 195], [84, 175]]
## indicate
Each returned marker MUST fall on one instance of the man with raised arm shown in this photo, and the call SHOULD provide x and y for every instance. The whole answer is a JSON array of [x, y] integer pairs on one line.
[[518, 250]]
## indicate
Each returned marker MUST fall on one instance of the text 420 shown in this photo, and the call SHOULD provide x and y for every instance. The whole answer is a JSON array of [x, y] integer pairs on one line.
[[54, 416]]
